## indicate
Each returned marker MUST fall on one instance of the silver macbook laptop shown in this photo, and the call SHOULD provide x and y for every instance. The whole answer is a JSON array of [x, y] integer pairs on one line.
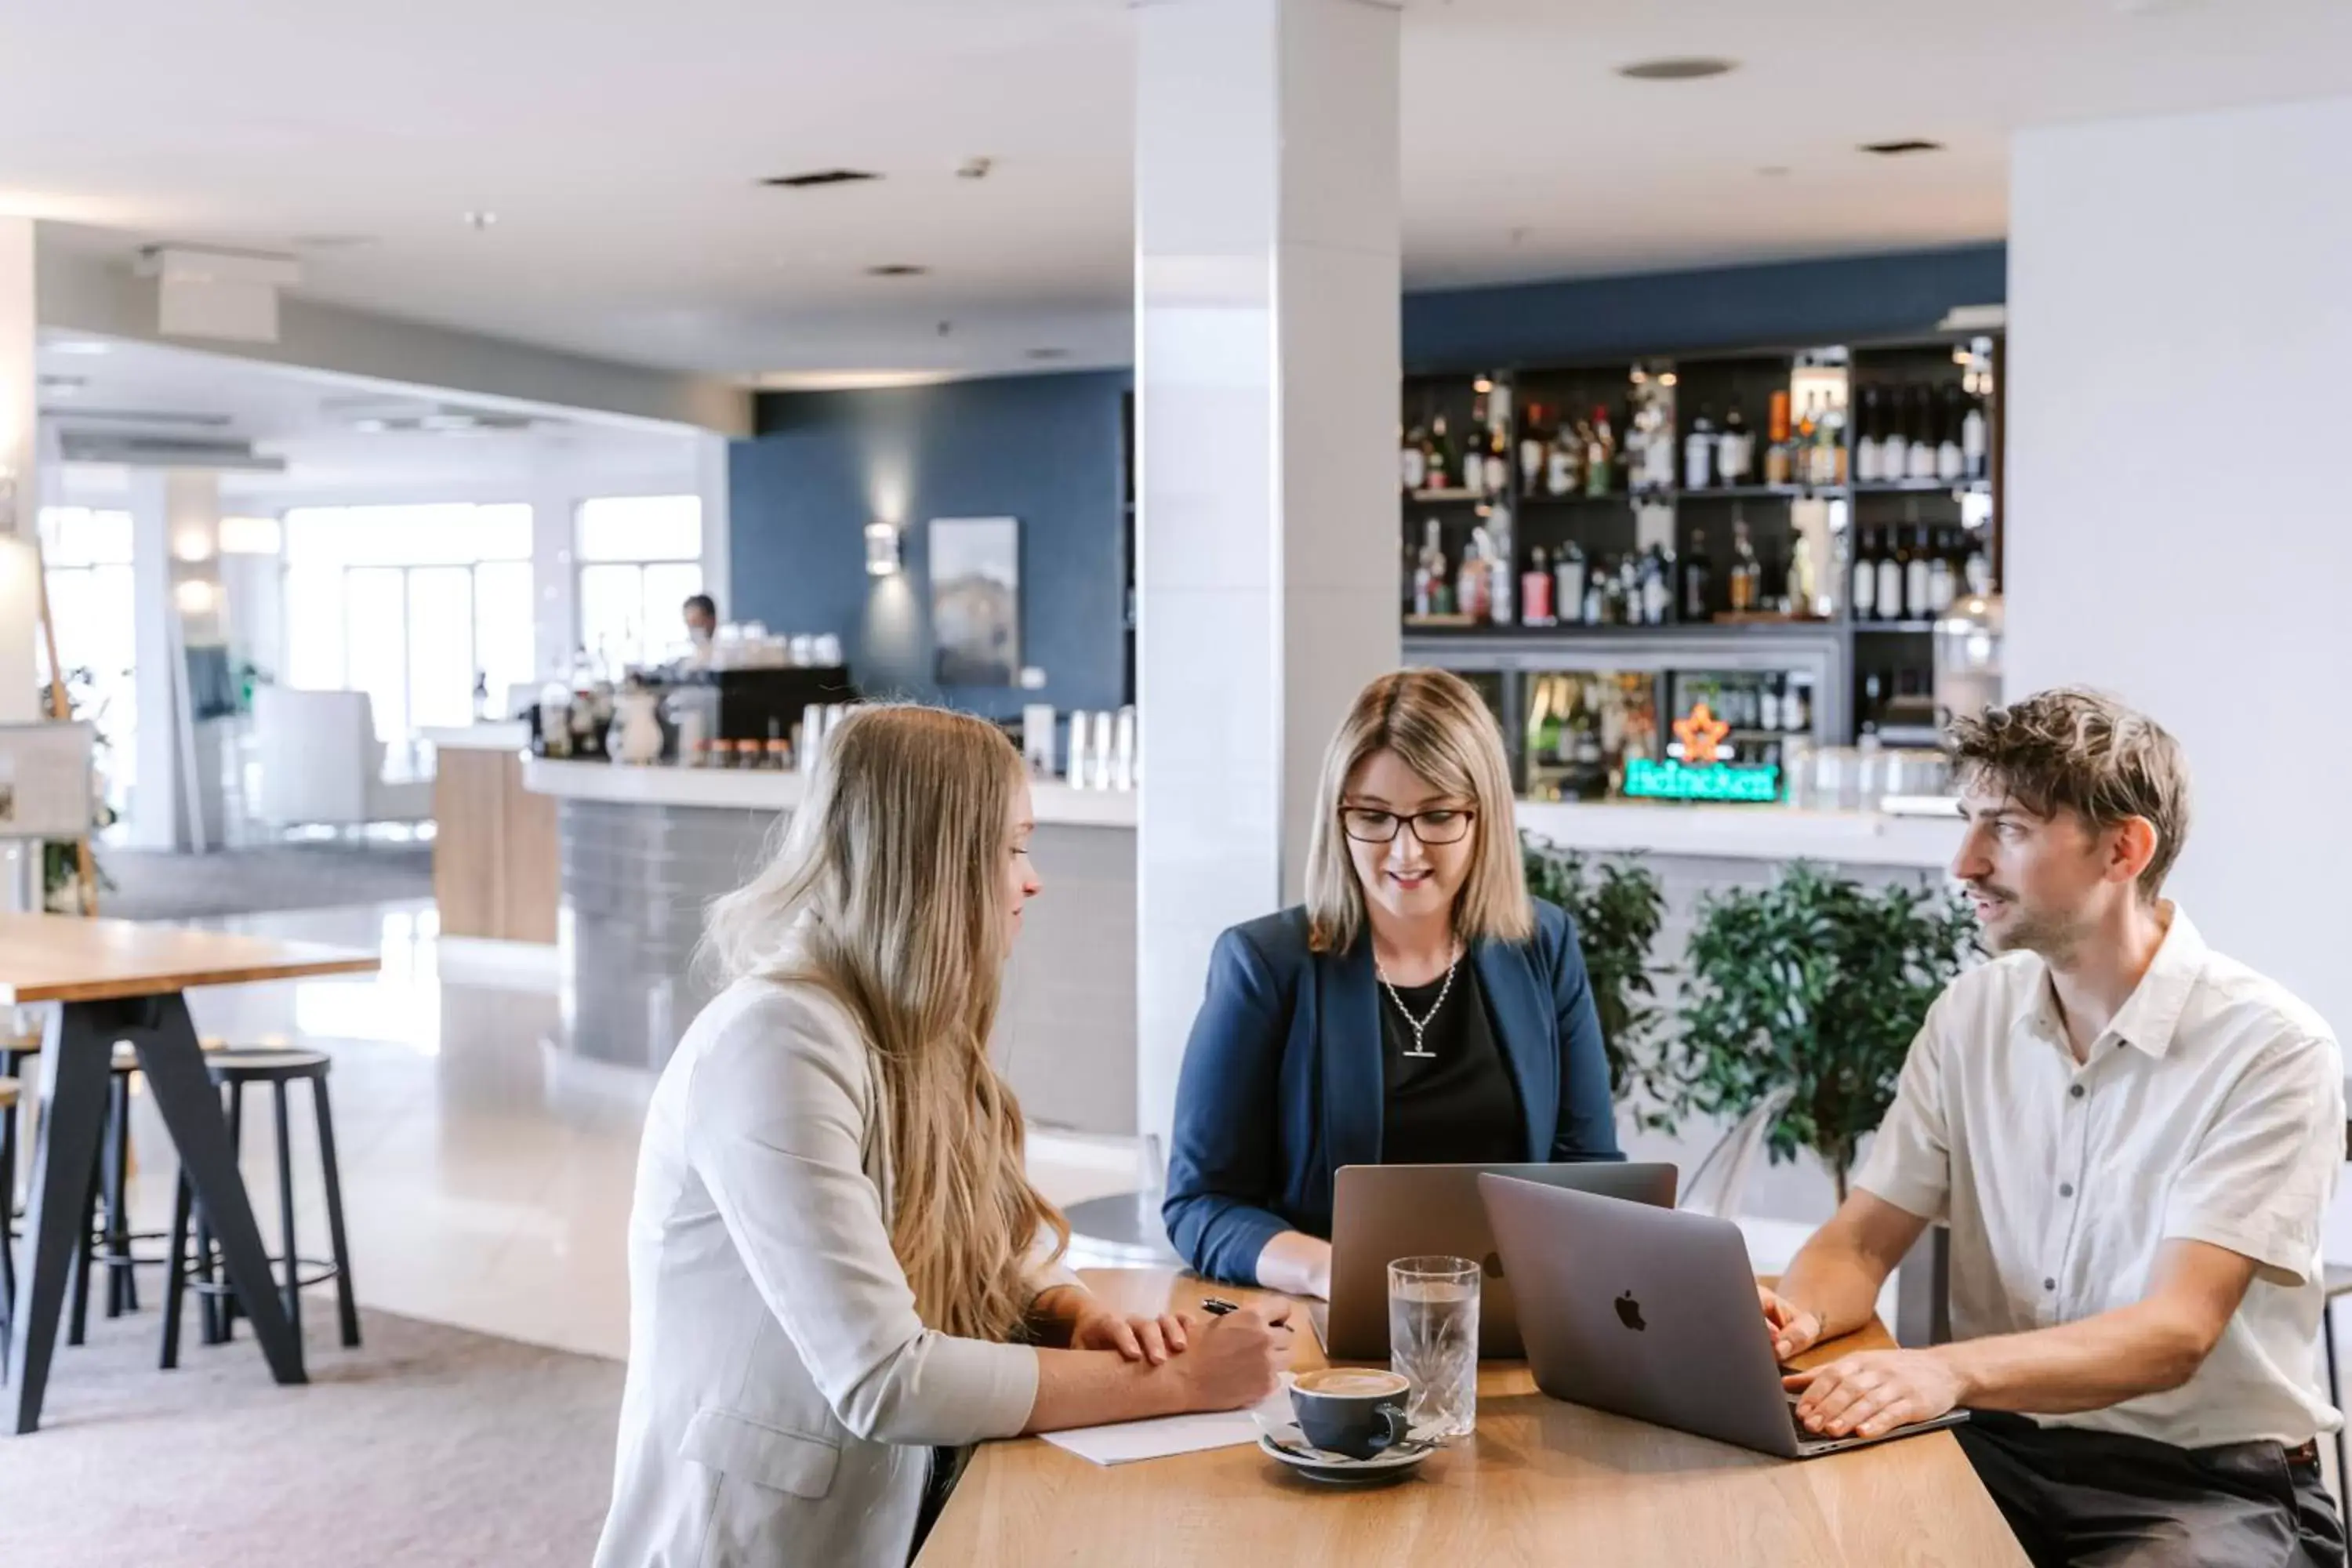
[[1380, 1213], [1650, 1313]]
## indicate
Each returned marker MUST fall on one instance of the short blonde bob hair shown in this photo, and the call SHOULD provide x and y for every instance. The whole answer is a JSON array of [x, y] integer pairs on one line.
[[1439, 728]]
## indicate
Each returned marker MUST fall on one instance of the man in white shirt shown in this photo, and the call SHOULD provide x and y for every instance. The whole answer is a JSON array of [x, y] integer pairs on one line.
[[2134, 1141]]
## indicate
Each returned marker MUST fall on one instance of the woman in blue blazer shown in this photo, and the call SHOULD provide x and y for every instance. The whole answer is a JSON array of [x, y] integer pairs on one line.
[[1419, 1008]]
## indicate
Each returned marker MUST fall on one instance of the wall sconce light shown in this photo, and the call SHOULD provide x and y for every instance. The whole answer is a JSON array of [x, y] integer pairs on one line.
[[881, 549]]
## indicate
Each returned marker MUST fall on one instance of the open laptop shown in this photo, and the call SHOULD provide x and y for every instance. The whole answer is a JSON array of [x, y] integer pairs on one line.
[[1381, 1212], [1650, 1313]]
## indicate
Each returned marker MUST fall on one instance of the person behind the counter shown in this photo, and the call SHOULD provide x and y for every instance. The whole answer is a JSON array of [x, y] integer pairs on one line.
[[2134, 1141], [1419, 1008], [700, 613]]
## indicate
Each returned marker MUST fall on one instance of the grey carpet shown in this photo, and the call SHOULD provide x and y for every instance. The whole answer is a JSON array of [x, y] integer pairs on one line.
[[150, 885], [428, 1446]]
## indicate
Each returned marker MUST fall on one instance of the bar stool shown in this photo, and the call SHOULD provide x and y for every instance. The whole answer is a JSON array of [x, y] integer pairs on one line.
[[232, 1070], [107, 1237], [9, 1094]]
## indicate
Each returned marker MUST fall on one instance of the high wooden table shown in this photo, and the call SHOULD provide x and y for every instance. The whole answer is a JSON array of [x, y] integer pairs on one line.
[[119, 980], [1541, 1482]]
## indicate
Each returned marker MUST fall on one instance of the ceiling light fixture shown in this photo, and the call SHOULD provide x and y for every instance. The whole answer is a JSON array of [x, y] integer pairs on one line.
[[1678, 67], [481, 218], [817, 177], [975, 168], [896, 269], [1903, 148]]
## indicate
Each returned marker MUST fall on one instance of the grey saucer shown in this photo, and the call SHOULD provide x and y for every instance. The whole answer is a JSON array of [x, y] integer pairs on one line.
[[1284, 1442]]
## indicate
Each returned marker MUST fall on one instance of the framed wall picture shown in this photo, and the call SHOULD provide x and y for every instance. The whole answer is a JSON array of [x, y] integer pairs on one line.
[[975, 570], [44, 781]]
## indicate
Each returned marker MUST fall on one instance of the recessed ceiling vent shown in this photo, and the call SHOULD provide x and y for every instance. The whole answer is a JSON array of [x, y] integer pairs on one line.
[[812, 180], [1901, 148]]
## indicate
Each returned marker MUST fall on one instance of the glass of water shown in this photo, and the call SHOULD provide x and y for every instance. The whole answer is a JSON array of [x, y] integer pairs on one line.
[[1433, 1341]]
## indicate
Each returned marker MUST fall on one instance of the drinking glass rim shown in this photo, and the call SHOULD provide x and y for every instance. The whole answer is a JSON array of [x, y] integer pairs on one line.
[[1433, 1267]]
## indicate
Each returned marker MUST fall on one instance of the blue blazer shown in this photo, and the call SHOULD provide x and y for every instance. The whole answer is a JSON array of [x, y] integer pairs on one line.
[[1282, 1082]]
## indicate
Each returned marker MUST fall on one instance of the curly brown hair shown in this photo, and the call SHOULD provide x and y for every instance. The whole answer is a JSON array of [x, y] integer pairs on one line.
[[2083, 752]]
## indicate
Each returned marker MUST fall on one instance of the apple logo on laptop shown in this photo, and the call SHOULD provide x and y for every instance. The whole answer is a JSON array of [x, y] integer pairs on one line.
[[1493, 1264], [1628, 1312]]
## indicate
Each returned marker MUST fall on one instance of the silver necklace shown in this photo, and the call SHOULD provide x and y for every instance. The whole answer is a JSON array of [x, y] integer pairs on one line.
[[1419, 1051]]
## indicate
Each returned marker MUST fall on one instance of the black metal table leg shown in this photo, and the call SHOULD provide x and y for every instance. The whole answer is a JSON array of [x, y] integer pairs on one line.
[[174, 1065], [73, 1078]]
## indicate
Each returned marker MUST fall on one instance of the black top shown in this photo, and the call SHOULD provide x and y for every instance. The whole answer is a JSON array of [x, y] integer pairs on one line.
[[1457, 1105]]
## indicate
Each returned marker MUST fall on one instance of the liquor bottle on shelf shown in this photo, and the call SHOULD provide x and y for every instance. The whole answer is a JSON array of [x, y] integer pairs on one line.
[[1747, 573], [1698, 451], [1976, 567], [1830, 461], [1596, 592], [1658, 450], [1497, 479], [1734, 448], [1414, 460], [1562, 458], [1796, 706], [1862, 601], [1975, 462], [1949, 463], [1432, 591], [1532, 450], [1599, 454], [1440, 470], [1502, 590], [1940, 576], [1917, 579], [1891, 565], [1473, 449], [1471, 580], [1568, 575], [1698, 589], [1866, 439], [1768, 716], [1535, 591], [1776, 452], [1921, 463], [1657, 587]]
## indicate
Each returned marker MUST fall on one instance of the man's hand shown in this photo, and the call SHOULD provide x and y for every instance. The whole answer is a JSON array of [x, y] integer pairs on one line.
[[1154, 1339], [1795, 1331], [1870, 1393]]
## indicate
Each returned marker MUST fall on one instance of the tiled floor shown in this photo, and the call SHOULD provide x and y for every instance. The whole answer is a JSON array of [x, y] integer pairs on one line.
[[487, 1172]]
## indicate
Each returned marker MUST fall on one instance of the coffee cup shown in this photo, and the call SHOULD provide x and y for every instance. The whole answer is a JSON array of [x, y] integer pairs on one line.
[[1358, 1411]]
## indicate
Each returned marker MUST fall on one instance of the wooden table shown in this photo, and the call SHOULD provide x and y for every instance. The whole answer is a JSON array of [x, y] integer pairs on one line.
[[1542, 1483], [119, 980]]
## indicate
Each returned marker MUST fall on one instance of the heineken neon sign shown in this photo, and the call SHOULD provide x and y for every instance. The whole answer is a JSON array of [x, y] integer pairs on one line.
[[1755, 784]]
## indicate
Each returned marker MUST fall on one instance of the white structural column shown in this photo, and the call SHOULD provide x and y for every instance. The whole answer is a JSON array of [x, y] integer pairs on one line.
[[711, 483], [1266, 372], [2203, 580], [177, 602], [554, 581], [19, 381]]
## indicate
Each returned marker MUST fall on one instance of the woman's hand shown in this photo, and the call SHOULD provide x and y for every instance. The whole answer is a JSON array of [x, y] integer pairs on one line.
[[1236, 1360], [1096, 1327]]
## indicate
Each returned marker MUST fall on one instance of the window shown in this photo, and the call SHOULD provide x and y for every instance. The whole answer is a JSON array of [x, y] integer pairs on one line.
[[411, 604], [86, 559], [641, 559]]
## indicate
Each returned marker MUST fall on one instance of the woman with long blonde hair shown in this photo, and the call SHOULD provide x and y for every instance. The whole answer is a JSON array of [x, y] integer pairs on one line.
[[839, 1274], [1419, 1008]]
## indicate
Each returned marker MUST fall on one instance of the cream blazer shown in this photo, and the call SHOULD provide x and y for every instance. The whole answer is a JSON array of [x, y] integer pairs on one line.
[[783, 1398]]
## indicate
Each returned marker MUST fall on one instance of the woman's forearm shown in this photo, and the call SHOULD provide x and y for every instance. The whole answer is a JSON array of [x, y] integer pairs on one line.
[[1297, 1263], [1089, 1388]]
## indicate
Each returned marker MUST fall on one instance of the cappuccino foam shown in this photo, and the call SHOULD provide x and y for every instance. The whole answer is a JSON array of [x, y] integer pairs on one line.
[[1350, 1382]]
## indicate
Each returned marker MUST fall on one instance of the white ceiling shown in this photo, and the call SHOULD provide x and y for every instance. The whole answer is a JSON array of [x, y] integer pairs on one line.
[[621, 144], [315, 424]]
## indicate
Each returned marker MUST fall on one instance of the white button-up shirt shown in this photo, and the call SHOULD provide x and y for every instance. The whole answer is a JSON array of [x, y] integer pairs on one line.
[[2211, 1110]]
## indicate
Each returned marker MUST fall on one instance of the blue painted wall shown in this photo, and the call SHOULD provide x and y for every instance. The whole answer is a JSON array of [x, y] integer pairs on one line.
[[1041, 448], [1047, 449], [1794, 304]]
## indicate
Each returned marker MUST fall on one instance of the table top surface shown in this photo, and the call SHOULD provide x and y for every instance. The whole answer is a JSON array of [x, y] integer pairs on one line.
[[65, 958], [1543, 1482]]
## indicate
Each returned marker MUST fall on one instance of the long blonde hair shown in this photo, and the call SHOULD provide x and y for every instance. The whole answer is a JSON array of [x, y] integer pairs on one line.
[[1440, 729], [888, 892]]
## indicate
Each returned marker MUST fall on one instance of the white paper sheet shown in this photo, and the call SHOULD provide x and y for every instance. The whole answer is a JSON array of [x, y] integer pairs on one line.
[[1127, 1441]]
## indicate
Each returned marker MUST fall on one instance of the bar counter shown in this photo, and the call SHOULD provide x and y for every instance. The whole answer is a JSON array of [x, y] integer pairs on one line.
[[644, 849]]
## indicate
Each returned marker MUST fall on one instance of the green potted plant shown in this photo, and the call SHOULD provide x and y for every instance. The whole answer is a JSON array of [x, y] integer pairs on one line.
[[1816, 984], [1617, 906]]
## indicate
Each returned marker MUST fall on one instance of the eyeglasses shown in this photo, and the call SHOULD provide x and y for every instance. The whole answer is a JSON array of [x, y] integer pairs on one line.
[[1446, 825]]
